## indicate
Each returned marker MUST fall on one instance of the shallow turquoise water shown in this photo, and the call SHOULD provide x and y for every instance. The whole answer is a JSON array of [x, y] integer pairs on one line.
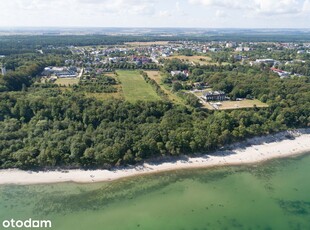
[[273, 195]]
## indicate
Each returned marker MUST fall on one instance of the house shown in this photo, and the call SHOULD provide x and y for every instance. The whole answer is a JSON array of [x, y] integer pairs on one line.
[[281, 73], [177, 72], [230, 45], [265, 61], [60, 72], [241, 49], [215, 96]]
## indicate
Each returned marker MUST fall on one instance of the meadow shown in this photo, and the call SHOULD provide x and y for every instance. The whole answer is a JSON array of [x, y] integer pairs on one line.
[[67, 81], [135, 88], [242, 104]]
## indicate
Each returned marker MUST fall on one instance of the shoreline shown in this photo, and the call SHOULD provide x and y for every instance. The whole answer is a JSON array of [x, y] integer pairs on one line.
[[254, 150]]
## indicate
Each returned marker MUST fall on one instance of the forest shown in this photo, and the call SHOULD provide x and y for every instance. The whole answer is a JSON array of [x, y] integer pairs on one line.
[[46, 127], [43, 125]]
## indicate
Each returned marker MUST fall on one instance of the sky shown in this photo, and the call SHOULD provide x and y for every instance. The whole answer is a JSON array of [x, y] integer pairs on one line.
[[156, 13]]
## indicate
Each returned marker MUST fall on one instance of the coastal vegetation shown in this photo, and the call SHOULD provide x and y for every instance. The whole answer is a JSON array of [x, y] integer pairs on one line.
[[113, 117], [47, 127]]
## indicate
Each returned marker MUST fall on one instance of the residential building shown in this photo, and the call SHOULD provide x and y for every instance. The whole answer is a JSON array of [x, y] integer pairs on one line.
[[215, 96]]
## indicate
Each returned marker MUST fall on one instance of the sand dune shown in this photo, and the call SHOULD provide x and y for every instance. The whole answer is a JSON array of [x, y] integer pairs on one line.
[[285, 144]]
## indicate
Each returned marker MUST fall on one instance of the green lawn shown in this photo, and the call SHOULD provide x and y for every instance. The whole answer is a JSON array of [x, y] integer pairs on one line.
[[135, 88]]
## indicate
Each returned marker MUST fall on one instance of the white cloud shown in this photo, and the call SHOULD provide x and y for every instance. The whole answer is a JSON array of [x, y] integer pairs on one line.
[[177, 6], [142, 7], [164, 13], [278, 6], [306, 7], [240, 4], [266, 7], [220, 14], [38, 4]]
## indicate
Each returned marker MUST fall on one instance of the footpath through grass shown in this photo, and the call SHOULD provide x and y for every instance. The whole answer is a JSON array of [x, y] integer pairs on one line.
[[135, 88]]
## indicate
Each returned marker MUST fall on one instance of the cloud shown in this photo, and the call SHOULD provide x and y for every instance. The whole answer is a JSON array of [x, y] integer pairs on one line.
[[132, 7], [270, 7], [220, 14], [264, 7], [240, 4], [306, 7], [142, 7], [164, 13], [177, 6]]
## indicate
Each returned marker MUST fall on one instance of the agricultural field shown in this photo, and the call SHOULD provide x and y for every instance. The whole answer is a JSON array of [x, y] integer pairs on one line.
[[156, 76], [135, 88], [67, 81]]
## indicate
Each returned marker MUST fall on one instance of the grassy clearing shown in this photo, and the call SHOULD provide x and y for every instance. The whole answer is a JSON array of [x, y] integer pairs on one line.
[[156, 76], [202, 60], [135, 88], [67, 81], [242, 104], [226, 105]]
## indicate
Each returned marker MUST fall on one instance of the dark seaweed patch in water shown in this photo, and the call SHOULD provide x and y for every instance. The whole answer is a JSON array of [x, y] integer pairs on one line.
[[15, 193], [295, 207], [266, 171], [121, 190], [102, 197], [211, 175]]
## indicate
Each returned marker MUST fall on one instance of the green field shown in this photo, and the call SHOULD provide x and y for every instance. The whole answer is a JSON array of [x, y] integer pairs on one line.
[[67, 81], [135, 88]]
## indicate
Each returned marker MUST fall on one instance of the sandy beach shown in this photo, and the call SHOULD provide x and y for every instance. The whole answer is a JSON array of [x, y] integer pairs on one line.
[[285, 144]]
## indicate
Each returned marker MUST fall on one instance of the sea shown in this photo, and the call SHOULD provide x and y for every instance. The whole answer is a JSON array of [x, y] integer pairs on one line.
[[274, 195]]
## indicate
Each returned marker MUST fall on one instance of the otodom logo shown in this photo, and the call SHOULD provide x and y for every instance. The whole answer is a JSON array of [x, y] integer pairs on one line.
[[30, 223]]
